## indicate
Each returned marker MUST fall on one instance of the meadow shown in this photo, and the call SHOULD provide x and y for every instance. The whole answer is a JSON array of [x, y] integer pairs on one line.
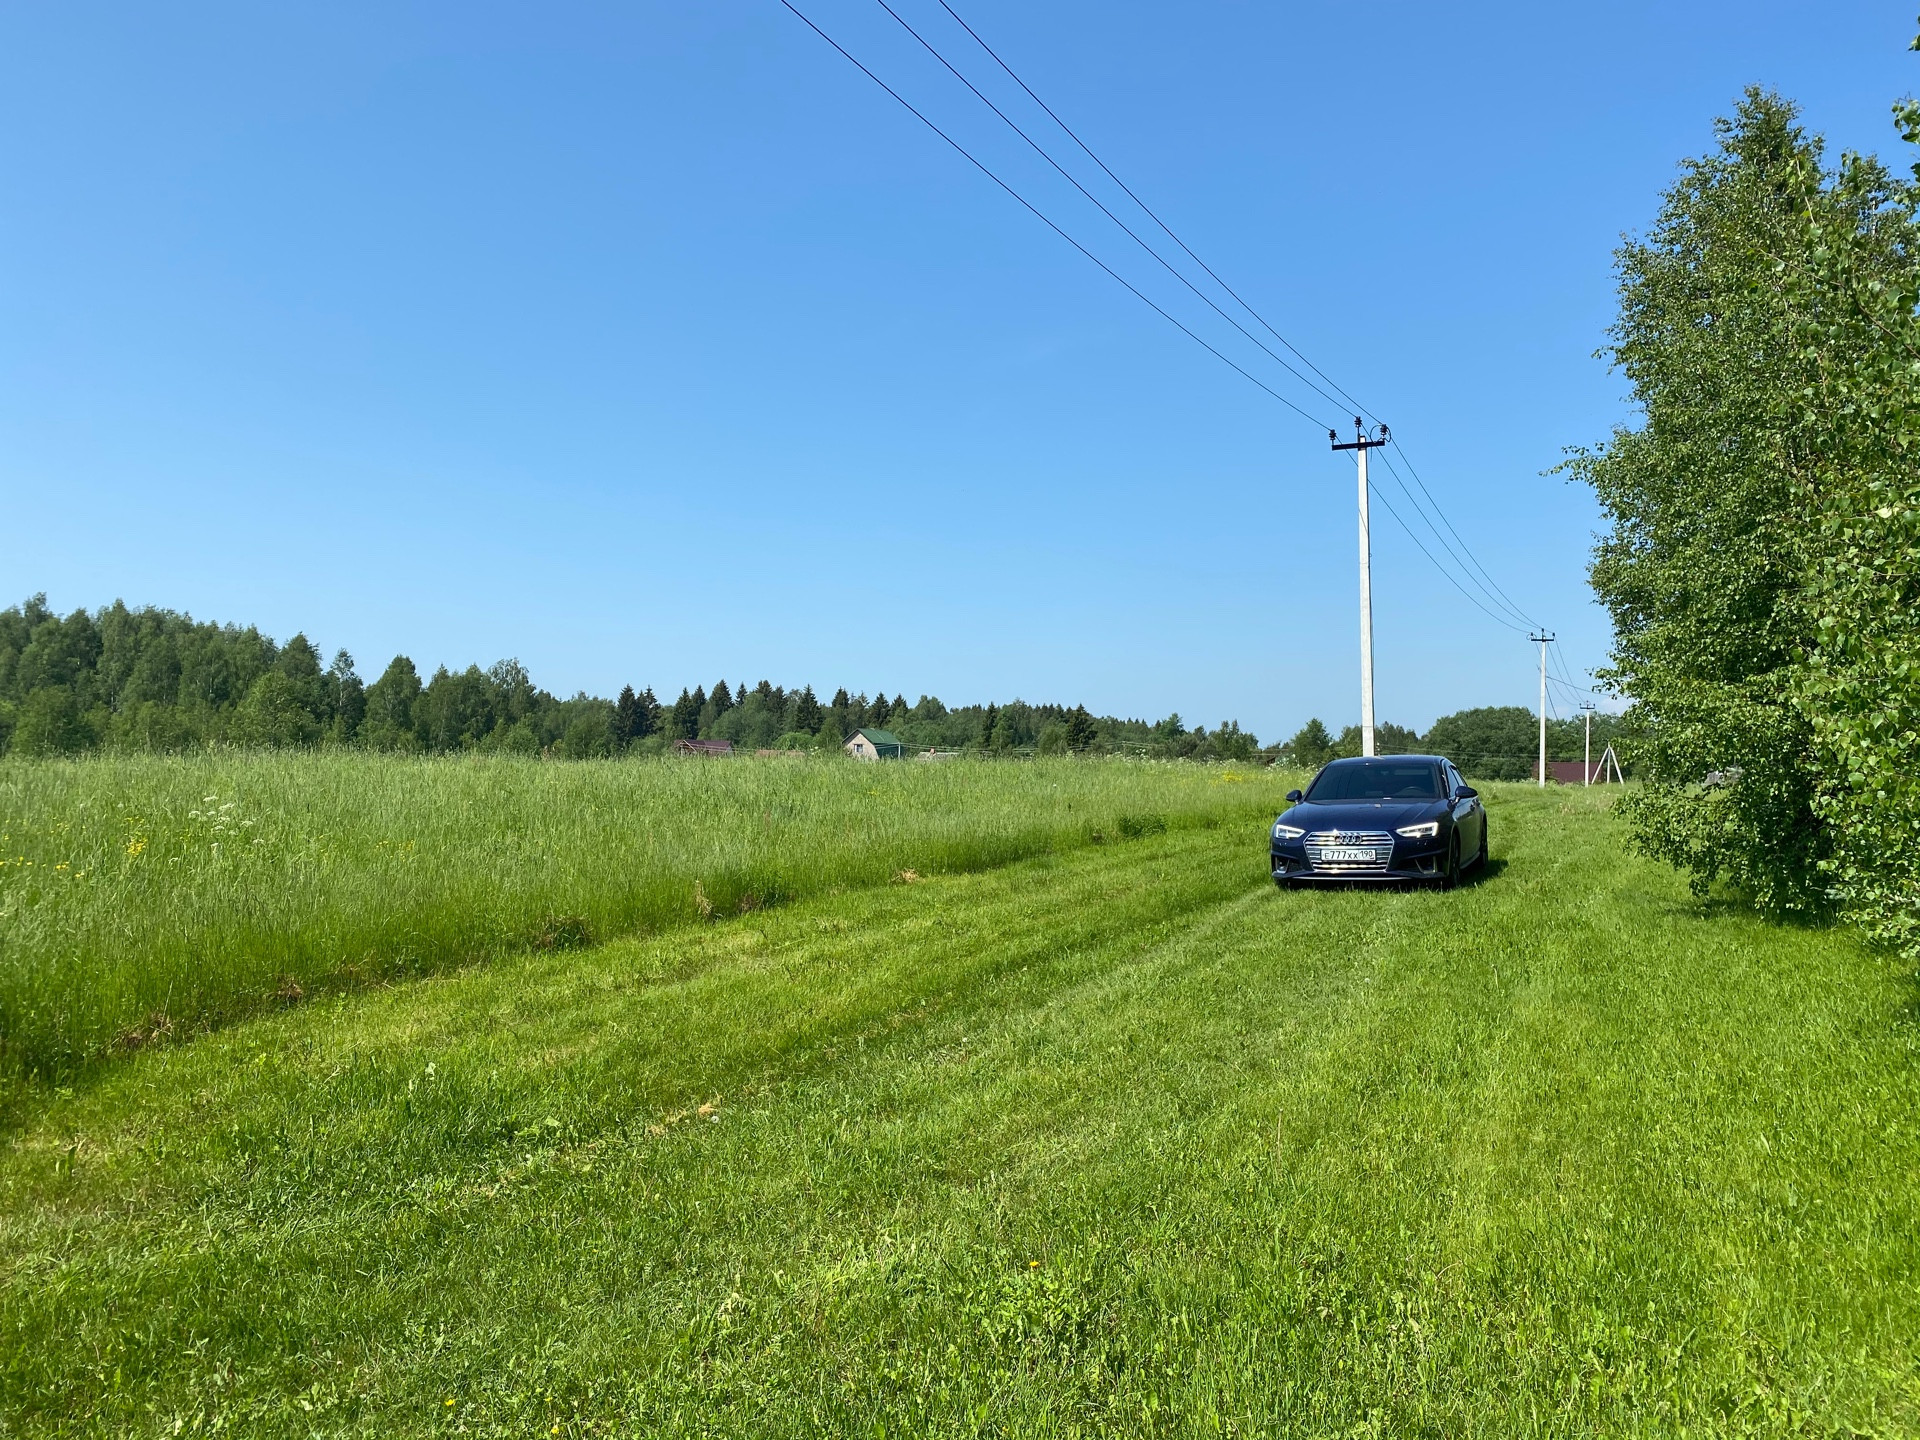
[[144, 898], [1114, 1139]]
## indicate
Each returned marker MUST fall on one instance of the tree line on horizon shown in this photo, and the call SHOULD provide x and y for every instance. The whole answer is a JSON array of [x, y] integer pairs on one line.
[[157, 680]]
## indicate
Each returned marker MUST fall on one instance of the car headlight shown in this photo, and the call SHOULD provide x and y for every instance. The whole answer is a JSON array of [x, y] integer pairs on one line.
[[1287, 832], [1424, 831]]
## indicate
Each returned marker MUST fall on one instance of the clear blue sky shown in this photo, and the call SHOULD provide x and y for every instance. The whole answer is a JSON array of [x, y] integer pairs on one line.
[[653, 343]]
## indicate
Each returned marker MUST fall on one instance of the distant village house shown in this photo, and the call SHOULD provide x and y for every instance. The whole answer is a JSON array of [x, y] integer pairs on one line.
[[703, 747], [874, 745]]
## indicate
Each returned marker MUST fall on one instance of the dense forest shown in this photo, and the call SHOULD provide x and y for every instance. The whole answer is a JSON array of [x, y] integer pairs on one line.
[[152, 679]]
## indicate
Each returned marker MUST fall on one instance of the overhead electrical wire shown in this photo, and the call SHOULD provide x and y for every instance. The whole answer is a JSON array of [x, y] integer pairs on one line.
[[1407, 460], [1493, 595], [1374, 491], [1131, 234], [1466, 558], [1456, 548], [1148, 210], [1496, 599], [1040, 216]]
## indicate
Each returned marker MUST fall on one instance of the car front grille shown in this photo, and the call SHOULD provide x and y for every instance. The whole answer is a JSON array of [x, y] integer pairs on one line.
[[1321, 843]]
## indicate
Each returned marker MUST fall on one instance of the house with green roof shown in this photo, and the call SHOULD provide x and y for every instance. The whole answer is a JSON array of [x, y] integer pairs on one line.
[[874, 745]]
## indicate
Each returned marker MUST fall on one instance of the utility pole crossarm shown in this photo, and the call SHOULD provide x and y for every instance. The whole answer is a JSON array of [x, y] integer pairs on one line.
[[1362, 443]]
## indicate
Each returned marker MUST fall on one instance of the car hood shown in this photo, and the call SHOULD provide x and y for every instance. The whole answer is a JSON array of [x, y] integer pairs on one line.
[[1364, 814]]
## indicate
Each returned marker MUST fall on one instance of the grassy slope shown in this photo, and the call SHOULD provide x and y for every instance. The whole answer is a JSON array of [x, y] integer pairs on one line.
[[148, 894], [1116, 1141]]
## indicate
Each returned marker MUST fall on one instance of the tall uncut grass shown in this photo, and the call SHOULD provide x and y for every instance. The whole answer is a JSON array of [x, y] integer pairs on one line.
[[148, 895]]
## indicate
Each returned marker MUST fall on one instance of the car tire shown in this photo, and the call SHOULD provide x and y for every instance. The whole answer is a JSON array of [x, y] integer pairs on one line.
[[1451, 877], [1481, 859]]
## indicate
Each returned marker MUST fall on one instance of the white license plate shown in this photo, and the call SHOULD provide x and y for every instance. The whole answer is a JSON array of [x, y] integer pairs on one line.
[[1348, 857]]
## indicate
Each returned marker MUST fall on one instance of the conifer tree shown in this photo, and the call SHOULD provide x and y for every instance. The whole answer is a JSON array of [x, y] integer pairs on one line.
[[722, 699], [686, 715], [1080, 731], [806, 714], [626, 717]]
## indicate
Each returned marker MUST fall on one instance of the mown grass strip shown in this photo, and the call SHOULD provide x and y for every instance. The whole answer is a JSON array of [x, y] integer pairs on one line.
[[145, 898], [1115, 1142]]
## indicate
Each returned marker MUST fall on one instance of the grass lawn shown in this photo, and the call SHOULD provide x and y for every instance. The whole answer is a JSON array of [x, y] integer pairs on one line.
[[155, 896], [1117, 1140]]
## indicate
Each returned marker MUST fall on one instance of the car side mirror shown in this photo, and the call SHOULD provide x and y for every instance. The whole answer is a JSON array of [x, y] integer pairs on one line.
[[1466, 792], [1293, 797]]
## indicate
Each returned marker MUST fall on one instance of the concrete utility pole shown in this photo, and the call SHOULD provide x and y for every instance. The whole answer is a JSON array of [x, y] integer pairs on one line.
[[1586, 772], [1363, 444], [1543, 639]]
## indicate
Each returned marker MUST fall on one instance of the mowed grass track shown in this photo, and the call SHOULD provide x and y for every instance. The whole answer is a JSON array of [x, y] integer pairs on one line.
[[1115, 1142], [149, 897]]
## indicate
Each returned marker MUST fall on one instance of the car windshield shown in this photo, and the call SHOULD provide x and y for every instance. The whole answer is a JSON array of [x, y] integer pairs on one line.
[[1375, 780]]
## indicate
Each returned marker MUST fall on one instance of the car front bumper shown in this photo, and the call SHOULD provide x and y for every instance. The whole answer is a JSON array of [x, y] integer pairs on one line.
[[1412, 860]]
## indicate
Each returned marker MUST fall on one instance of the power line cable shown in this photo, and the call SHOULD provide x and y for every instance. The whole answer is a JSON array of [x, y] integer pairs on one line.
[[1037, 214], [1374, 491], [1467, 560], [1447, 546], [1148, 210], [1408, 460], [1131, 234], [1144, 299], [1566, 675]]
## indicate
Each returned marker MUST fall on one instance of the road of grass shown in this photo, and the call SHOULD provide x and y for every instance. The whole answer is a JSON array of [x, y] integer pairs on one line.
[[148, 897], [1116, 1142]]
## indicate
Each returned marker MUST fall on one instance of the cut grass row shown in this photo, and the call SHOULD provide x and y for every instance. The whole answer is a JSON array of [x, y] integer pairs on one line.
[[1120, 1141], [145, 897]]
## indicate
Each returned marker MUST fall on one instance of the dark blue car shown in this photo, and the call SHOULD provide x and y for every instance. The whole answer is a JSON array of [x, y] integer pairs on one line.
[[1390, 817]]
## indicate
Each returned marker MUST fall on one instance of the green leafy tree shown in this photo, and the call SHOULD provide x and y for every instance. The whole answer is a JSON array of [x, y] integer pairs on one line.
[[1492, 742], [1734, 341], [1854, 301], [589, 734], [1311, 747], [50, 722], [349, 699], [274, 713], [390, 701]]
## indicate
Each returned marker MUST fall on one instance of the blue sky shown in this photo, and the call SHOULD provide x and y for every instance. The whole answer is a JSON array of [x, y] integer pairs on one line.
[[654, 343]]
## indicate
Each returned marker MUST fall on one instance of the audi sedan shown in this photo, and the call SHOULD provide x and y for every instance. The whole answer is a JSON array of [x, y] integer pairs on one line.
[[1389, 817]]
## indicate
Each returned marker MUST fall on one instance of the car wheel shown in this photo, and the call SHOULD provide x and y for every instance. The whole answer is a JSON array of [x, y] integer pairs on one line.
[[1452, 876], [1481, 858]]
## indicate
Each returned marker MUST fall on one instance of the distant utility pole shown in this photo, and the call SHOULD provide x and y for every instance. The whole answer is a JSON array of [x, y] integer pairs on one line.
[[1543, 639], [1362, 444], [1586, 772]]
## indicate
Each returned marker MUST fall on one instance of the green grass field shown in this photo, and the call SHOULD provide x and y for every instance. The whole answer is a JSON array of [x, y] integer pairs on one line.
[[146, 897], [1112, 1140]]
